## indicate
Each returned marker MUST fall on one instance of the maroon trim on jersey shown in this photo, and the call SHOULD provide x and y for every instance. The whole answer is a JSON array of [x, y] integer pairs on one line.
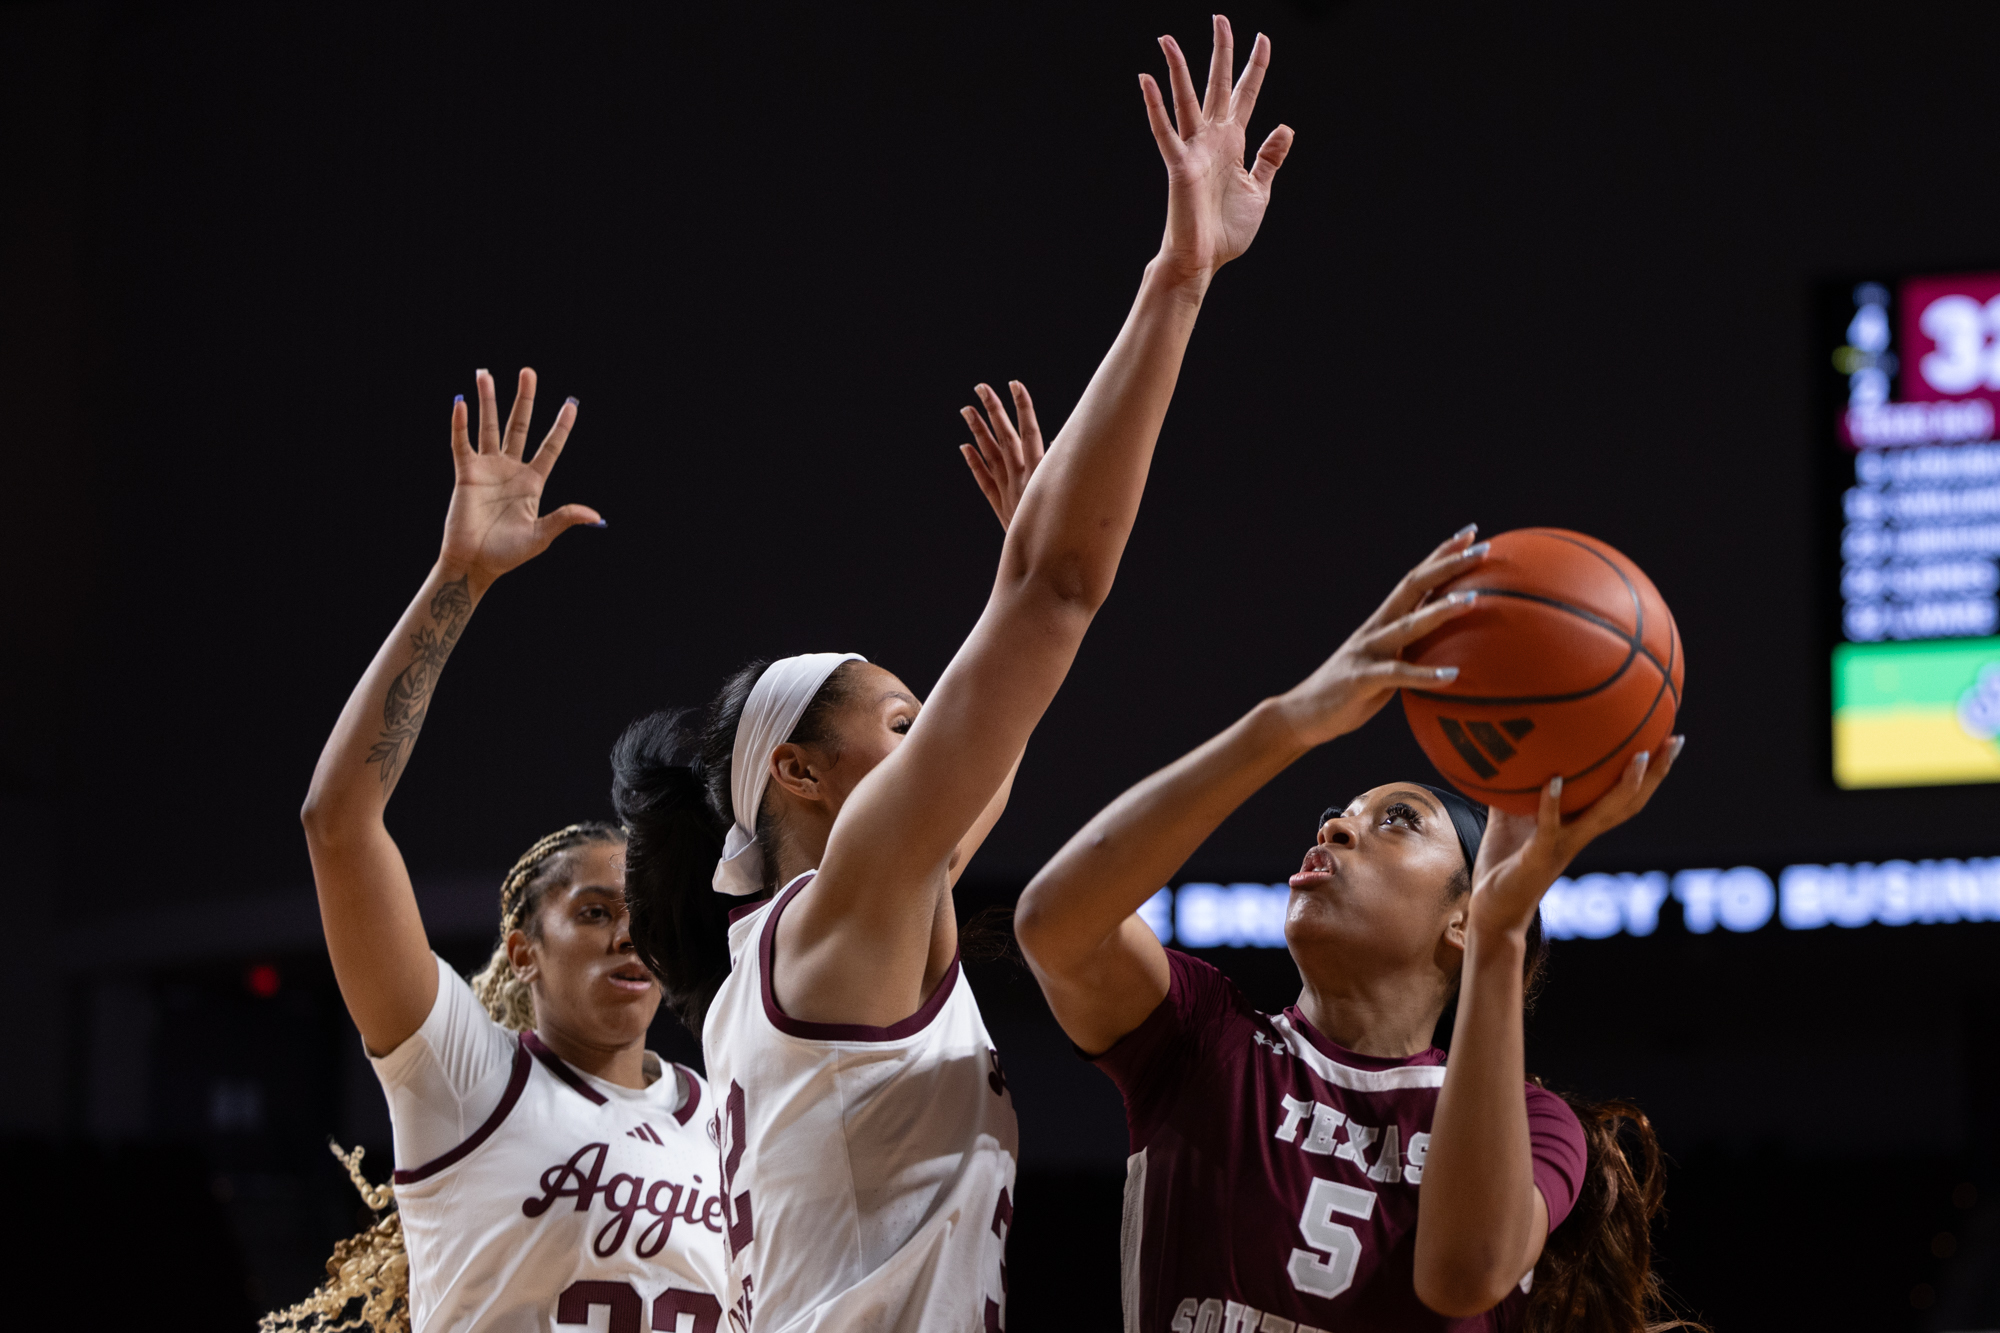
[[738, 913], [767, 950], [516, 1082], [560, 1070], [686, 1113]]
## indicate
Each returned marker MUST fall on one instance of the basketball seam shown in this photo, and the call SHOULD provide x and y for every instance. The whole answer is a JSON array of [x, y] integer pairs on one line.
[[1634, 649], [1635, 643]]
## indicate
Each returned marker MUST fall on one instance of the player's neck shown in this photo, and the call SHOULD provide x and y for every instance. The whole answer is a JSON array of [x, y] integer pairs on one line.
[[622, 1065], [1390, 1019]]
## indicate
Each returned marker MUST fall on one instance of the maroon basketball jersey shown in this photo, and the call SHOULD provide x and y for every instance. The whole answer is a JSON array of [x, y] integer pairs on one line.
[[1273, 1181]]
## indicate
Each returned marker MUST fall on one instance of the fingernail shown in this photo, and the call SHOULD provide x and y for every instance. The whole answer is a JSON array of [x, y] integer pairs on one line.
[[457, 399], [477, 373], [1645, 757], [1680, 743], [1477, 549], [572, 402], [1463, 598], [601, 523], [1465, 531], [1556, 786], [1445, 673]]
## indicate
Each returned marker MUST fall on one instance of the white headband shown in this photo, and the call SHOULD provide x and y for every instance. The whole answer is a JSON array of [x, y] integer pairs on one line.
[[776, 703]]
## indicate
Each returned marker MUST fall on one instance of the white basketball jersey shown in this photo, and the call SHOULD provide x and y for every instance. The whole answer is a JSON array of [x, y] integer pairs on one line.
[[575, 1193], [867, 1173]]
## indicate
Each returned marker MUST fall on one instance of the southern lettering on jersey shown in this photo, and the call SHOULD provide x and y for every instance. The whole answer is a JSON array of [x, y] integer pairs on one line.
[[1313, 1153]]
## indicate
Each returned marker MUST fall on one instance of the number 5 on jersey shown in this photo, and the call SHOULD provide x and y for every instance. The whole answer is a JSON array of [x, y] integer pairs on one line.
[[1334, 1273]]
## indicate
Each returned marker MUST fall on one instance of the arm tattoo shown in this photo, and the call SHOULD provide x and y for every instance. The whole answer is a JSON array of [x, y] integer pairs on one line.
[[409, 698]]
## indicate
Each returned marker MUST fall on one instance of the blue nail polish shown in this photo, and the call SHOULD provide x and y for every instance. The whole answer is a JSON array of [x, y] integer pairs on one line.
[[601, 523], [1466, 531], [572, 402], [456, 399]]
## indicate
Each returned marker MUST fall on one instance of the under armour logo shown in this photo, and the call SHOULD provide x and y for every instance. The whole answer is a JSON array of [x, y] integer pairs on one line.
[[1263, 1040], [997, 1078], [1462, 736]]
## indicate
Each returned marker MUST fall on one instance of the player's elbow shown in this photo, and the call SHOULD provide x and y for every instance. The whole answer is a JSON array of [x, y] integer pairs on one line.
[[1032, 920], [1066, 578], [1462, 1289]]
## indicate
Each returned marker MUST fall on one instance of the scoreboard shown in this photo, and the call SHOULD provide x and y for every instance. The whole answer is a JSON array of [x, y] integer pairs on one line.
[[1911, 369]]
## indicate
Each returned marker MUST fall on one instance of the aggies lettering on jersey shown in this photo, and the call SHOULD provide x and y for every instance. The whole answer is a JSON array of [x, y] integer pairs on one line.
[[568, 1193], [1272, 1186]]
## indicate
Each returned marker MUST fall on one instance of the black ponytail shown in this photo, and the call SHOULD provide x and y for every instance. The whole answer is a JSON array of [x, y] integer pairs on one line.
[[679, 924], [670, 776]]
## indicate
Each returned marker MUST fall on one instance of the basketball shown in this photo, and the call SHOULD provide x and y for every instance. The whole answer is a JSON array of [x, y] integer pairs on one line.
[[1569, 663]]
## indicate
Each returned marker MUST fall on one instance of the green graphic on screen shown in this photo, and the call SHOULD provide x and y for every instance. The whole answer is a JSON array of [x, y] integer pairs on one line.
[[1916, 714]]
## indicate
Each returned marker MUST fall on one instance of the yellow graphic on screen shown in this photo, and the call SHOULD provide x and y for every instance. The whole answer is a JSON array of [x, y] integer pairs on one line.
[[1916, 714]]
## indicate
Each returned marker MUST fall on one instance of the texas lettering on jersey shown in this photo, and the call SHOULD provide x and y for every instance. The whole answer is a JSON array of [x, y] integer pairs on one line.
[[624, 1196]]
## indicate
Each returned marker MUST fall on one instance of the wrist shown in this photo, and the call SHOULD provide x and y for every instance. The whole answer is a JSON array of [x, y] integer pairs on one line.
[[1177, 278], [1499, 939], [448, 570], [1288, 725]]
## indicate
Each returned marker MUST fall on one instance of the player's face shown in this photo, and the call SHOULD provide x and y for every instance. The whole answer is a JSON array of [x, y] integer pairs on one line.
[[1370, 893], [878, 714], [588, 981]]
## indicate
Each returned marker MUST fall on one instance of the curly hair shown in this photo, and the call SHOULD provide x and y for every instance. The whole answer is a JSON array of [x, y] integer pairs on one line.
[[373, 1267]]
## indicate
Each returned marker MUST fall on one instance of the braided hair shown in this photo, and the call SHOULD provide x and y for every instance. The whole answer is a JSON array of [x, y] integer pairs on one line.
[[505, 995], [373, 1268]]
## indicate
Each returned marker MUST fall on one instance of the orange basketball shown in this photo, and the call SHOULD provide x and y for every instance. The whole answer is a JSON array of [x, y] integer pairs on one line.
[[1569, 663]]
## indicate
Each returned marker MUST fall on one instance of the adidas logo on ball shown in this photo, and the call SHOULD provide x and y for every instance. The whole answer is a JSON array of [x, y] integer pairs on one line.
[[1475, 740]]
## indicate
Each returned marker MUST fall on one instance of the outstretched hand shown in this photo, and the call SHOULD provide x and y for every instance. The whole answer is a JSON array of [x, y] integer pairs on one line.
[[495, 522], [1522, 855], [1002, 458], [1357, 680], [1214, 204]]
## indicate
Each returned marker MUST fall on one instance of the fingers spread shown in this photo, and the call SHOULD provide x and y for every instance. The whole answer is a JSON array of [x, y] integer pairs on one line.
[[1156, 116], [551, 446], [1244, 100], [1405, 630], [1399, 674], [1187, 111], [516, 439], [1441, 566], [982, 476], [489, 414], [461, 445], [1272, 156], [982, 438], [1221, 65], [552, 525], [1024, 410]]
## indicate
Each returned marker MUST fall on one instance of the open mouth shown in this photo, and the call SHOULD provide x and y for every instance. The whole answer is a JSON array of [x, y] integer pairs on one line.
[[634, 978], [1318, 865]]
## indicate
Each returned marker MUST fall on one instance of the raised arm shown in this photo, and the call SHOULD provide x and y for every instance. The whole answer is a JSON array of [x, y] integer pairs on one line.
[[1481, 1222], [381, 957], [1098, 963], [860, 946]]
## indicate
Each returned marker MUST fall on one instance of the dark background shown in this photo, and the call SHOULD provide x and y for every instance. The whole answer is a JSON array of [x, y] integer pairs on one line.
[[1549, 267]]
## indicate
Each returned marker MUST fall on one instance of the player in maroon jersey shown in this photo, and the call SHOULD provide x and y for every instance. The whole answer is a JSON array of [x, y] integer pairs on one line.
[[1324, 1168]]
